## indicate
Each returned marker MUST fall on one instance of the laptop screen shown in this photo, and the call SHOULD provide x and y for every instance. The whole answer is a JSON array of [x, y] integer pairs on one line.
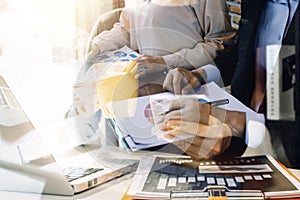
[[19, 141]]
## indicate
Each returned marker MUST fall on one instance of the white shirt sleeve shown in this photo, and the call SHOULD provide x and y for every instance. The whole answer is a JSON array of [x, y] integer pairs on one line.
[[255, 132], [115, 38], [255, 129], [212, 73]]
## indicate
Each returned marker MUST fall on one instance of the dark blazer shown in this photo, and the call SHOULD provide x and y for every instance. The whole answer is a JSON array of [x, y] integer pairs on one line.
[[283, 133], [242, 83]]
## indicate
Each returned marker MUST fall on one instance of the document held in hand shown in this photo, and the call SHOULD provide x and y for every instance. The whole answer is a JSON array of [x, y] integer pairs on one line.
[[135, 123]]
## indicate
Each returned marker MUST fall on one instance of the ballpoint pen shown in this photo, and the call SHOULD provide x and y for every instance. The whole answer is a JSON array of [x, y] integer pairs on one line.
[[215, 103]]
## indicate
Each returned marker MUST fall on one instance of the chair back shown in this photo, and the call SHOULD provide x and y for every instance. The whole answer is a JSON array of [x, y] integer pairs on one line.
[[103, 22]]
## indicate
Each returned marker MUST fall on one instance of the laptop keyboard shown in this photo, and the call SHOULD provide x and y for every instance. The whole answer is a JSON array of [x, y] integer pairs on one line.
[[73, 173]]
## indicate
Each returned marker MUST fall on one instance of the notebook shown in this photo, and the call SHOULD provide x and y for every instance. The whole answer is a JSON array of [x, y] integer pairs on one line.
[[27, 165]]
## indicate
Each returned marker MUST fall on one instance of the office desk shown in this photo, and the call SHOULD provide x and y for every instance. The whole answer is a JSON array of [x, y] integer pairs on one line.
[[113, 190], [66, 150], [46, 103]]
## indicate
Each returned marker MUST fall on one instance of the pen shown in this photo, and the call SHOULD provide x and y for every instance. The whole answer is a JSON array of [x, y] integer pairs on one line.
[[215, 103]]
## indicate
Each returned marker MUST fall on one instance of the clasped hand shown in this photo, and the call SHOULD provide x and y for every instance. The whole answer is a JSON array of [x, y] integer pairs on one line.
[[212, 128], [182, 81]]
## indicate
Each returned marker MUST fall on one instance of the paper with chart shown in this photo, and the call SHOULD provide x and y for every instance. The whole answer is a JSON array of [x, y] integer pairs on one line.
[[134, 123], [121, 55]]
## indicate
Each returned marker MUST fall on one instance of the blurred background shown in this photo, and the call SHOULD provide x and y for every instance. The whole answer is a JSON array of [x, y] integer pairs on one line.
[[42, 45]]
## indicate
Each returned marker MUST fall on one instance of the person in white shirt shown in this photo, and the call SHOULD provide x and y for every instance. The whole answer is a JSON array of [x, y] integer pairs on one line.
[[218, 133], [170, 34], [175, 34]]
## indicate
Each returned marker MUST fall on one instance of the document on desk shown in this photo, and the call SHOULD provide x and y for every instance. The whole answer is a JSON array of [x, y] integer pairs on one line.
[[133, 118], [134, 123], [253, 177]]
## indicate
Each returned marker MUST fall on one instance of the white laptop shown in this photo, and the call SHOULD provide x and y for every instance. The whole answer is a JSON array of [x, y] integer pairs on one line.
[[26, 165]]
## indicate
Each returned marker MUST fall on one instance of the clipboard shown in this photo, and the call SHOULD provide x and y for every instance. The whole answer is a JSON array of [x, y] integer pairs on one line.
[[155, 180], [211, 193], [217, 193]]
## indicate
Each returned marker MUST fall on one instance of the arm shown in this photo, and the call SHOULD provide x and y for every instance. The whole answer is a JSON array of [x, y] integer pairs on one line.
[[215, 30], [216, 132], [114, 38]]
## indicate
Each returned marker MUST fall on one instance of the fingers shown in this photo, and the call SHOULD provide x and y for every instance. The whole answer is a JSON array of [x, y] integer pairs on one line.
[[139, 70], [188, 89], [168, 82], [174, 115], [178, 82], [145, 59], [186, 110], [201, 148], [143, 69], [214, 129], [178, 127], [164, 118], [181, 81], [206, 140], [193, 83]]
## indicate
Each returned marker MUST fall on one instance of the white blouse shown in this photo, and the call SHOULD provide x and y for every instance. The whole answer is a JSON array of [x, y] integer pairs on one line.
[[186, 33]]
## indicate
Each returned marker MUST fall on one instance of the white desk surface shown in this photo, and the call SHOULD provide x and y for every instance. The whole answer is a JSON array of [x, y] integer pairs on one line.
[[46, 102], [113, 190]]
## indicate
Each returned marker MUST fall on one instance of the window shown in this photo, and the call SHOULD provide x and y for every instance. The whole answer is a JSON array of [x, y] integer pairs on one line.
[[36, 34]]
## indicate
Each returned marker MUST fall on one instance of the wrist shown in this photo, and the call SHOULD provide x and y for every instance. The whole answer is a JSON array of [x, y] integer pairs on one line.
[[234, 119], [200, 74], [237, 122], [236, 148], [163, 61]]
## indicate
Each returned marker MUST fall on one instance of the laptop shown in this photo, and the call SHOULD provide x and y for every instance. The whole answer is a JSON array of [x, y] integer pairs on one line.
[[27, 165]]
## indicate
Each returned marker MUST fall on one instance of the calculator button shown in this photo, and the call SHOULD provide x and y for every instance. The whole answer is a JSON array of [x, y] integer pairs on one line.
[[210, 180], [230, 182], [221, 181], [248, 178], [239, 179], [172, 182], [181, 179]]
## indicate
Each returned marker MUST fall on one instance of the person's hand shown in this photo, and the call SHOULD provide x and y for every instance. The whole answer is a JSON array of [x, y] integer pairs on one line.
[[182, 81], [207, 141], [93, 52], [212, 128], [185, 109], [147, 64]]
